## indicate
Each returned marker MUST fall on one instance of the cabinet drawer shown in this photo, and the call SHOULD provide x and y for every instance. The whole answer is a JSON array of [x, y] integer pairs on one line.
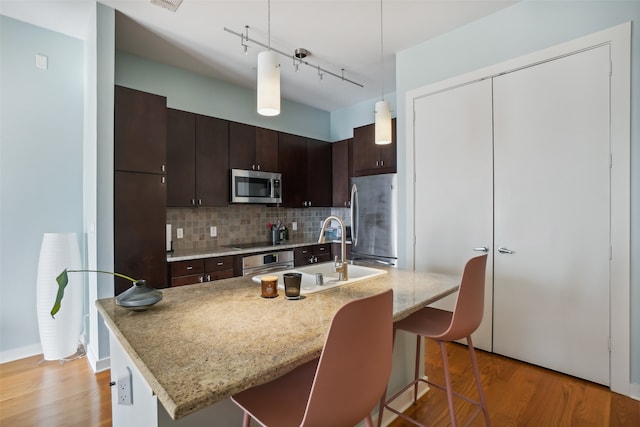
[[324, 248], [302, 251], [187, 268], [219, 264], [186, 280], [221, 274]]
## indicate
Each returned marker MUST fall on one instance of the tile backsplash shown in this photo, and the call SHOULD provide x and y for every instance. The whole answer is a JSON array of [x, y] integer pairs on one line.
[[243, 224]]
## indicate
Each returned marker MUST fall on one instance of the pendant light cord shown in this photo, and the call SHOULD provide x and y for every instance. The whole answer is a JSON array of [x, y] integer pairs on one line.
[[269, 24], [381, 52]]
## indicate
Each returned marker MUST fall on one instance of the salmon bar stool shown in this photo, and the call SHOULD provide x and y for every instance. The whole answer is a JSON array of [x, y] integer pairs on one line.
[[343, 385], [444, 326]]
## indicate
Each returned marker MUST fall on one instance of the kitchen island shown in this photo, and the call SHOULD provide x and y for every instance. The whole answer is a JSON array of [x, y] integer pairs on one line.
[[204, 342]]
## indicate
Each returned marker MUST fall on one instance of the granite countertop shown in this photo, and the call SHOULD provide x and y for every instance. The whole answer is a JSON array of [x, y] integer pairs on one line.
[[214, 251], [204, 342]]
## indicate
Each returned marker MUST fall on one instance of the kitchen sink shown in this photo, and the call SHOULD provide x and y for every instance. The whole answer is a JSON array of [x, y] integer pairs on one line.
[[330, 277]]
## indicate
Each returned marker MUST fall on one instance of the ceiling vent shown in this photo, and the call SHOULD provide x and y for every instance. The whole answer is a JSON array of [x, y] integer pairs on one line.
[[172, 5]]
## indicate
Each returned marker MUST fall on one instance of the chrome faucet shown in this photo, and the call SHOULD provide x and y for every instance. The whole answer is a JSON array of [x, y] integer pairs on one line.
[[339, 267]]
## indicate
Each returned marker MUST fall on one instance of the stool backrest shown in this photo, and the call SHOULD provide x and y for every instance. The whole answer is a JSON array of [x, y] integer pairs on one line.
[[469, 307], [355, 363]]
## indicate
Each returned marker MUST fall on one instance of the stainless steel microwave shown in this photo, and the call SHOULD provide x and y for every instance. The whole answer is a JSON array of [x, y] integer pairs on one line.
[[249, 186]]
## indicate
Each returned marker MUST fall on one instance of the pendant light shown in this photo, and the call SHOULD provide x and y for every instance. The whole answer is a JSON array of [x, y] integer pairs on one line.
[[382, 109], [268, 78]]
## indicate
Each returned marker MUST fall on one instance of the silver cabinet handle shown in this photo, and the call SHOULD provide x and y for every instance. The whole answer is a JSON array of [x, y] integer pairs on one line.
[[504, 250], [481, 249]]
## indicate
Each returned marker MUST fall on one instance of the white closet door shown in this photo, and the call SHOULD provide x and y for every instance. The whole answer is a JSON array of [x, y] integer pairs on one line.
[[454, 187], [551, 142]]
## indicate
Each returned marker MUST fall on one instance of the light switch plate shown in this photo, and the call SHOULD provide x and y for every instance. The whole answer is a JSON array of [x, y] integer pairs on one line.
[[213, 231], [179, 233], [42, 61]]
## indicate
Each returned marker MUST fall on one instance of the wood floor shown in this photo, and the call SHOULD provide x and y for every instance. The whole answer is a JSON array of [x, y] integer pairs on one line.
[[517, 394]]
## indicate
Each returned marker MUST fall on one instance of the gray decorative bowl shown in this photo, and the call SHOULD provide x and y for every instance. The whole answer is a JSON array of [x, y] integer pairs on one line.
[[139, 297]]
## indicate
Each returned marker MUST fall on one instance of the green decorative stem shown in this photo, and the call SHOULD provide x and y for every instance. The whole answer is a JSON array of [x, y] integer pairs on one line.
[[63, 280]]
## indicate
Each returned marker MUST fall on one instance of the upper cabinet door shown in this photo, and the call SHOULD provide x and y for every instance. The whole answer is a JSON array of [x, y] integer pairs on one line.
[[242, 146], [212, 161], [365, 155], [319, 188], [140, 123], [292, 156], [341, 169], [388, 153], [181, 155], [267, 150]]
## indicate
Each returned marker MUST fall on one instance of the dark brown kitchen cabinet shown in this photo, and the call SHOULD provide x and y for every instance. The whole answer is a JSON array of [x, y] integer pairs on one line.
[[139, 228], [181, 154], [212, 161], [292, 158], [305, 165], [201, 270], [140, 194], [342, 172], [252, 148], [312, 254], [197, 160], [372, 159], [139, 131], [319, 180]]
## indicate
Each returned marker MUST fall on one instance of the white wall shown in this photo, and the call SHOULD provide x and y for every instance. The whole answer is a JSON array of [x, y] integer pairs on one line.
[[41, 137], [520, 29]]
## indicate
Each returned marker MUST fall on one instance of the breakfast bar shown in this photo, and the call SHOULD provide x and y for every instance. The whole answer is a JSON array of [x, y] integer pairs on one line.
[[204, 342]]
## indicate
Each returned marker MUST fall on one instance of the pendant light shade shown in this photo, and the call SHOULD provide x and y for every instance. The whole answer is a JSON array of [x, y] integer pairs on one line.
[[383, 123], [268, 84]]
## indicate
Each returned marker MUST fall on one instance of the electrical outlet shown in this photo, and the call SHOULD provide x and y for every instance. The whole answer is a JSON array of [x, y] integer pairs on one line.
[[179, 233], [213, 231], [125, 397], [294, 226]]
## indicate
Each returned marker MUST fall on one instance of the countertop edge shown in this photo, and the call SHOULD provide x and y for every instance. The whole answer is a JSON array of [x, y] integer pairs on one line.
[[187, 255]]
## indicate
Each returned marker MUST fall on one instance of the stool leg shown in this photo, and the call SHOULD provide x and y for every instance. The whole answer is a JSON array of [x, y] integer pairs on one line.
[[417, 369], [447, 379], [246, 419], [476, 372], [383, 399]]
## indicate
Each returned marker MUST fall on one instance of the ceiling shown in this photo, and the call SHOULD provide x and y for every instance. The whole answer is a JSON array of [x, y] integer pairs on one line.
[[339, 34]]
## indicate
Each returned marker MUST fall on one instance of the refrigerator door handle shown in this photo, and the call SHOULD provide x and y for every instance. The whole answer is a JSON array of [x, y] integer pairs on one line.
[[354, 214]]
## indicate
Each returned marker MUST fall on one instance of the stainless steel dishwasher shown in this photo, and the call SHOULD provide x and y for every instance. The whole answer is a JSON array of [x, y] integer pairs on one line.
[[265, 263]]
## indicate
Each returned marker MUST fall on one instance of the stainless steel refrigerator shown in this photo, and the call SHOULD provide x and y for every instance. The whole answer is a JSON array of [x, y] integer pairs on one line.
[[374, 213]]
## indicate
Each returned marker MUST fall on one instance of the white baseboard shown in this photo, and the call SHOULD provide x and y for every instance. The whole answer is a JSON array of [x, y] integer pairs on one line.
[[403, 402], [97, 365], [634, 391], [20, 353]]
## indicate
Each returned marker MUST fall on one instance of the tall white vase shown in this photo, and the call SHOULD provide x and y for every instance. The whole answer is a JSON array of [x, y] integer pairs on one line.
[[60, 336]]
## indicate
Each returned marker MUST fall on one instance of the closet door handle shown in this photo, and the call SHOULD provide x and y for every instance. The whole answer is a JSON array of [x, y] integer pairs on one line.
[[504, 250], [481, 249]]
